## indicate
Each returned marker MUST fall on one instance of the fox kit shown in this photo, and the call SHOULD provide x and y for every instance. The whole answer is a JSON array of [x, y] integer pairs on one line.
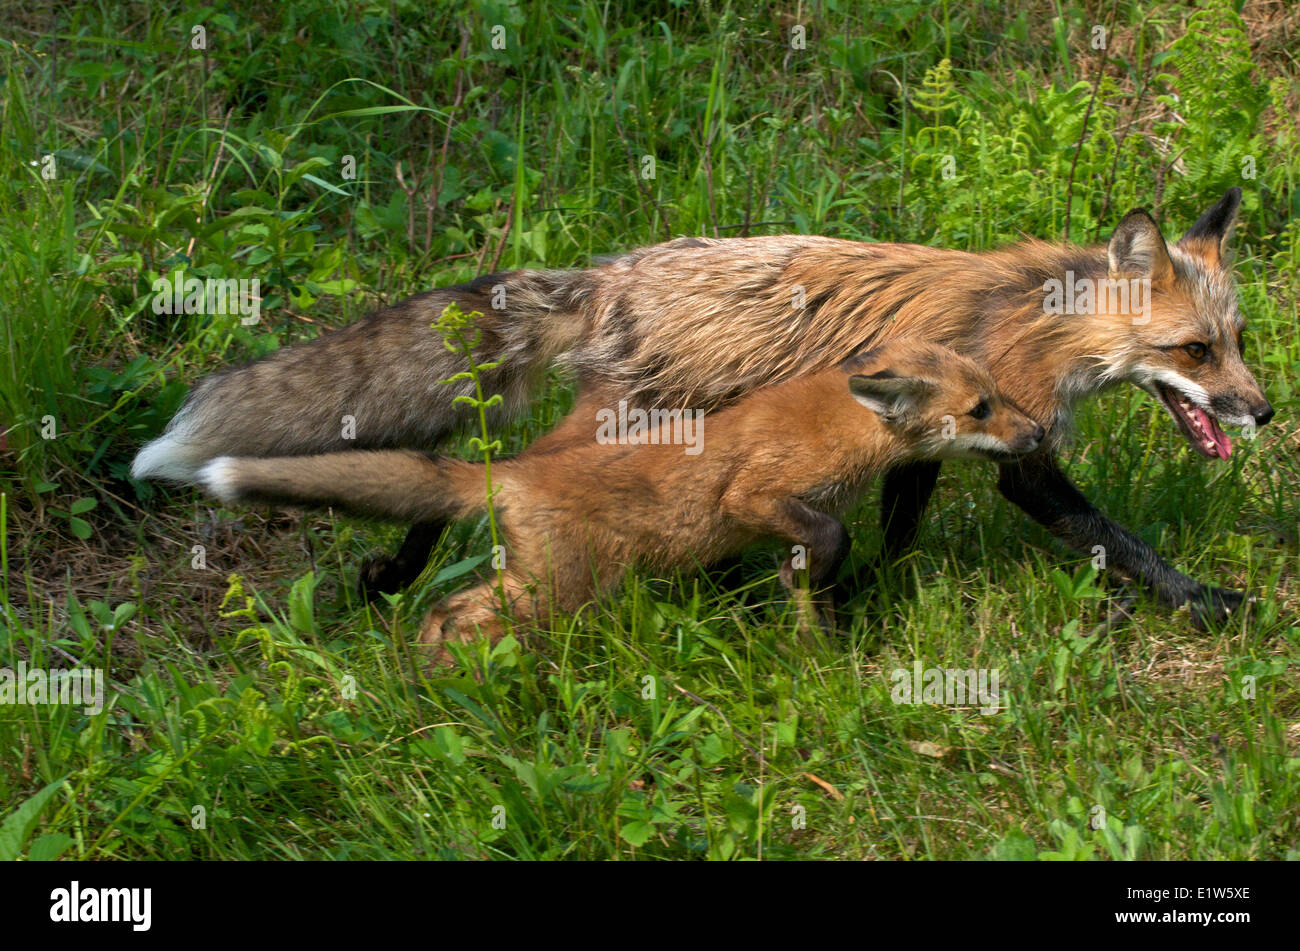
[[700, 322], [577, 512]]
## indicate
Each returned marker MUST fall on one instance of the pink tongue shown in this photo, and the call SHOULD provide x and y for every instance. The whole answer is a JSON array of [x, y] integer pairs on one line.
[[1222, 444]]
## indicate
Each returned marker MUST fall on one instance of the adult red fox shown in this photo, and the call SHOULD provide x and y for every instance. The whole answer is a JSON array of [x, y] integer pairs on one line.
[[699, 322], [576, 513]]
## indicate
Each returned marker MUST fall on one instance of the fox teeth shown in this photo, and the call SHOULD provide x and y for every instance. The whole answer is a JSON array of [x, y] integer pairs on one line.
[[1196, 420]]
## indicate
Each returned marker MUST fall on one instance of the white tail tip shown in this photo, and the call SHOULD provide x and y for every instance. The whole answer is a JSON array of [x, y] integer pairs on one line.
[[166, 459], [218, 478]]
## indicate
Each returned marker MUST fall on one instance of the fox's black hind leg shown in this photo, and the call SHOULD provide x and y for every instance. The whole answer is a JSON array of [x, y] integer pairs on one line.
[[388, 574]]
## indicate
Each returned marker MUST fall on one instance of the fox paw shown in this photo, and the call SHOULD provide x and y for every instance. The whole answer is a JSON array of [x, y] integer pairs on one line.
[[434, 635], [1211, 606], [383, 574]]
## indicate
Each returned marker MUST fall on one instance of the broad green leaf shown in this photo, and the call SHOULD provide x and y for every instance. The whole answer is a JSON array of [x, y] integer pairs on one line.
[[20, 823]]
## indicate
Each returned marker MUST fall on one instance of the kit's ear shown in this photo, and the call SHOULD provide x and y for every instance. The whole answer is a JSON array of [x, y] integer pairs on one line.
[[1213, 230], [888, 395], [1137, 249]]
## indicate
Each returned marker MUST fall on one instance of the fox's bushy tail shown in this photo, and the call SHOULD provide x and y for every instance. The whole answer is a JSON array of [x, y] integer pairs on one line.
[[375, 383], [392, 484]]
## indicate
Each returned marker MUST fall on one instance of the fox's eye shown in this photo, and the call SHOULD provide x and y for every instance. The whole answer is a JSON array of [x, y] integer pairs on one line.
[[981, 410], [1241, 345], [1196, 350]]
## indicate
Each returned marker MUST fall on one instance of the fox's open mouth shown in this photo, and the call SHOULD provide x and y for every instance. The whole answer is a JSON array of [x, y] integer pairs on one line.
[[1201, 429]]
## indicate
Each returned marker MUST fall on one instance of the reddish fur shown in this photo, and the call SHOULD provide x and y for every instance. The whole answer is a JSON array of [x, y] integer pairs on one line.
[[576, 514]]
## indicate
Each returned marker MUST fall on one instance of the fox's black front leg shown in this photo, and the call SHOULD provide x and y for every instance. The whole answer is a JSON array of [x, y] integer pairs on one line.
[[903, 498], [1038, 486], [388, 575]]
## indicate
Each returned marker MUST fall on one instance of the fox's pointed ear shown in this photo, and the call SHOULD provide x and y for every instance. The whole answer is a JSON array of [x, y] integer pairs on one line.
[[1213, 230], [1137, 249], [888, 395]]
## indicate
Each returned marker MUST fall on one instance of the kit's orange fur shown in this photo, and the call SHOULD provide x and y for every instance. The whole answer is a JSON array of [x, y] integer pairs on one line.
[[576, 513]]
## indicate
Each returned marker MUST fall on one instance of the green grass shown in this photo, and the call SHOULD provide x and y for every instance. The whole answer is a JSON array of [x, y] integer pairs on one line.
[[249, 689]]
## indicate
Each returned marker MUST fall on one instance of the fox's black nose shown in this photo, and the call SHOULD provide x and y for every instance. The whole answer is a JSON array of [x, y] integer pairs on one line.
[[1262, 415], [1039, 433]]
